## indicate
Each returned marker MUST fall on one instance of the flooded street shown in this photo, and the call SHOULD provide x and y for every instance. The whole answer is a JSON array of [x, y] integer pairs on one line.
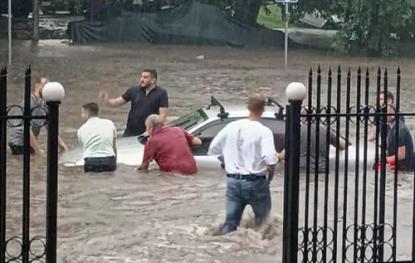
[[127, 216]]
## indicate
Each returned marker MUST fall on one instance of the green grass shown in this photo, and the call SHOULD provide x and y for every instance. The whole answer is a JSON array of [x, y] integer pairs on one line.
[[273, 20]]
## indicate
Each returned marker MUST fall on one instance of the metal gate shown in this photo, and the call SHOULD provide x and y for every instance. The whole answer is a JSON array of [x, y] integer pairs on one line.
[[348, 210], [25, 241]]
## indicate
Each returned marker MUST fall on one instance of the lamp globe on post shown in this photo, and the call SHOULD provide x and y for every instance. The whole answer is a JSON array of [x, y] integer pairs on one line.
[[53, 93], [296, 91]]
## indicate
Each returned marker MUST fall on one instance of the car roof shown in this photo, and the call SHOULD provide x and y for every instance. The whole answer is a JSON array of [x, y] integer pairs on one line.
[[238, 111]]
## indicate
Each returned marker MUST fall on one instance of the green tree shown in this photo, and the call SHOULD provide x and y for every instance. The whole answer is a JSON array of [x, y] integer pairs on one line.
[[375, 26], [368, 26]]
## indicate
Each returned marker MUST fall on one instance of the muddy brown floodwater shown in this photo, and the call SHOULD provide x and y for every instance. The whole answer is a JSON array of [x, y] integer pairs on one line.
[[158, 217]]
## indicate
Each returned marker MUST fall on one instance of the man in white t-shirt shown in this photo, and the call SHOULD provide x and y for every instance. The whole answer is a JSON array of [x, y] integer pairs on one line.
[[98, 139], [247, 149]]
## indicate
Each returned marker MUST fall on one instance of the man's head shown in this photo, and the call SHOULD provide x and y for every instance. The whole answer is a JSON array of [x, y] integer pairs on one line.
[[389, 98], [256, 104], [153, 122], [148, 78], [89, 110], [391, 110], [39, 83]]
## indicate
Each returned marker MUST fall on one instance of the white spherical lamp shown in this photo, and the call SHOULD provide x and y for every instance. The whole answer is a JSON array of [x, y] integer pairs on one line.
[[53, 91], [296, 91]]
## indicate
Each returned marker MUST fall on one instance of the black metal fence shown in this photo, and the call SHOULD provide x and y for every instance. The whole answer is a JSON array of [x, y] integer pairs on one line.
[[25, 243], [341, 193]]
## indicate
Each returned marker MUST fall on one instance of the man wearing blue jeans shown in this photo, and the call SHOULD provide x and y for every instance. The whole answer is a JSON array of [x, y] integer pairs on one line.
[[247, 149]]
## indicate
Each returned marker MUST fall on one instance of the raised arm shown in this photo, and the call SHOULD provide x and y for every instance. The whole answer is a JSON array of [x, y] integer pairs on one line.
[[114, 102]]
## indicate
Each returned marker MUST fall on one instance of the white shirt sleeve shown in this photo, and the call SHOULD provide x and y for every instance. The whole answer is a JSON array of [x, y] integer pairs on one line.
[[79, 136], [268, 149], [216, 146], [114, 128]]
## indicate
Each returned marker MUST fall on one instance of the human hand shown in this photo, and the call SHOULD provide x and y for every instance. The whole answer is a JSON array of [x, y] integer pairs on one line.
[[40, 152], [270, 170], [103, 95], [139, 169]]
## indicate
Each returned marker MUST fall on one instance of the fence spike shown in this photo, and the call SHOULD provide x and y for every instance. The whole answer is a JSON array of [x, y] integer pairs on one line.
[[330, 71], [367, 72], [339, 69], [28, 71], [319, 69], [399, 71]]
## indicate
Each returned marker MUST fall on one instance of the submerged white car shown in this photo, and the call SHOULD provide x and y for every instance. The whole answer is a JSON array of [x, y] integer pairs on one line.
[[205, 123]]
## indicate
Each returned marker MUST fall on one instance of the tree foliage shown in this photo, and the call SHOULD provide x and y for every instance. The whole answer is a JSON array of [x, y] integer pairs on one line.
[[372, 27]]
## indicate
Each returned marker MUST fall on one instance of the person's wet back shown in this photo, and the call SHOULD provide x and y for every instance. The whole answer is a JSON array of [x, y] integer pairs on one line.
[[147, 98], [170, 147], [98, 139]]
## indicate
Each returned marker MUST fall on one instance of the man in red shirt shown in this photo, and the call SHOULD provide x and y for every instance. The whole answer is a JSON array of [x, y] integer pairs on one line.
[[169, 147]]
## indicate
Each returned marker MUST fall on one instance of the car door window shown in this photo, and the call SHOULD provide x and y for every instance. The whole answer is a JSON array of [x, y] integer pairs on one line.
[[207, 133], [278, 129]]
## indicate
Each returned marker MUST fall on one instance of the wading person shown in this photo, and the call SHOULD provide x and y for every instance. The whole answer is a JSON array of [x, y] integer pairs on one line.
[[389, 101], [98, 139], [147, 98], [170, 147], [247, 149], [318, 162], [401, 145], [38, 108]]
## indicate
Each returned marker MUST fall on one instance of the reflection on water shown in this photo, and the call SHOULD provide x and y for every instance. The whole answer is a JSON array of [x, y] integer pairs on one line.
[[157, 217]]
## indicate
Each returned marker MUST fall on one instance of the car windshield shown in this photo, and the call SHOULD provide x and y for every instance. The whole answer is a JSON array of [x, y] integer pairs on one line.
[[190, 120]]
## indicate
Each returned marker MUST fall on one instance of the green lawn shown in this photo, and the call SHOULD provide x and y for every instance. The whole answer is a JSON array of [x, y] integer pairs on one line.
[[273, 20]]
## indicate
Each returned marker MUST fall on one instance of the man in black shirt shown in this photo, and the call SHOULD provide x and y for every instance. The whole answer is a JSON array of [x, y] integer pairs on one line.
[[402, 144], [146, 99]]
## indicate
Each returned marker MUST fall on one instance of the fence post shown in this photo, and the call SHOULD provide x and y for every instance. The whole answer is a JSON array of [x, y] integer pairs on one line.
[[3, 124], [53, 93], [295, 92]]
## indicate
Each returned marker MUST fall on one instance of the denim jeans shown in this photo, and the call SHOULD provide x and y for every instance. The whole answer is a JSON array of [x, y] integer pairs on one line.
[[100, 164], [240, 193]]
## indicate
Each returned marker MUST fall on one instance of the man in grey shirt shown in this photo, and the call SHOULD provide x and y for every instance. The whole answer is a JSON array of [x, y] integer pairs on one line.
[[38, 108], [318, 159]]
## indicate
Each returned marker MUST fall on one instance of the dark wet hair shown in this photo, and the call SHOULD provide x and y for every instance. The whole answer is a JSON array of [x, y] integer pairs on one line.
[[389, 95], [92, 108], [153, 72], [256, 103]]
